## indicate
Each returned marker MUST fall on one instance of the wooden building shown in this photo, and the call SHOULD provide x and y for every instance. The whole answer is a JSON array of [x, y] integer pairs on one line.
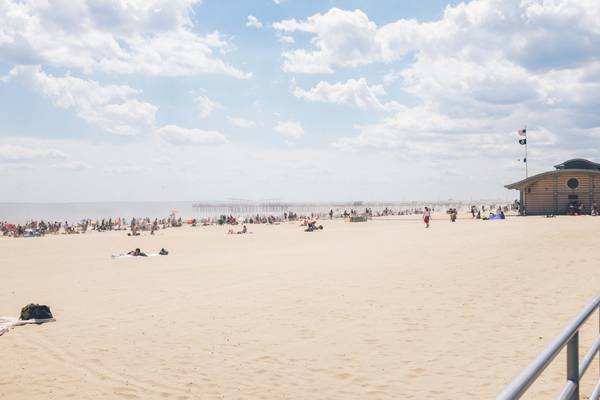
[[573, 183]]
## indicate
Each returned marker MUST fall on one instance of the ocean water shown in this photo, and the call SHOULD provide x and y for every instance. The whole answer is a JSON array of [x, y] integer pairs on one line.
[[74, 212]]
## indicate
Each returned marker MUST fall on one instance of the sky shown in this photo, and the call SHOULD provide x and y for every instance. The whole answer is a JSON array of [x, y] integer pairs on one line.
[[298, 100]]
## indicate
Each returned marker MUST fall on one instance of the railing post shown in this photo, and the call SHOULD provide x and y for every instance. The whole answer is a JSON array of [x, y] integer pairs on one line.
[[573, 363]]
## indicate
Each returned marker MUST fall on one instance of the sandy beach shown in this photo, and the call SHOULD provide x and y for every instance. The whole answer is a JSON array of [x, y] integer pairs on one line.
[[378, 310]]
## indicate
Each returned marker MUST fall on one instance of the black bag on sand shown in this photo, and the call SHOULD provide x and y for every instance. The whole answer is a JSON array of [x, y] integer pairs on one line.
[[35, 311]]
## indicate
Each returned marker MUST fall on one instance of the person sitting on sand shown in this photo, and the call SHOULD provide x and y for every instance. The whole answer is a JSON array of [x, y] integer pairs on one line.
[[243, 231], [574, 208], [163, 252], [137, 253]]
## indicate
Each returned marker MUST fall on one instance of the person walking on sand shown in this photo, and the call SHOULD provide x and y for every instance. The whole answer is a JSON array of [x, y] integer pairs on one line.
[[426, 217]]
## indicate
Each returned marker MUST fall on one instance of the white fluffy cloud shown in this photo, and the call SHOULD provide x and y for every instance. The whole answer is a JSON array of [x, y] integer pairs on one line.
[[194, 137], [532, 33], [242, 123], [112, 108], [154, 37], [420, 132], [20, 154], [463, 83], [31, 154], [253, 22], [356, 93], [345, 38], [285, 39], [206, 106], [290, 129]]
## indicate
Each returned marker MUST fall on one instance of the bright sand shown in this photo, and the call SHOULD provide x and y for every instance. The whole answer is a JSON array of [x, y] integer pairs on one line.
[[378, 310]]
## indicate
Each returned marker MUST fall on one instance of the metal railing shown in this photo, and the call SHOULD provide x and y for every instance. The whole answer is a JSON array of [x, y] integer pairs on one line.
[[575, 370]]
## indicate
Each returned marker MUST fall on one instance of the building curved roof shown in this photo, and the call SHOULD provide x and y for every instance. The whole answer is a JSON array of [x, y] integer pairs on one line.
[[532, 179], [578, 163]]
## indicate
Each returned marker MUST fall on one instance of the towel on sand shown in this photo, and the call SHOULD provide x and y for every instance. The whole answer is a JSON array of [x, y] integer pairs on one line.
[[8, 322]]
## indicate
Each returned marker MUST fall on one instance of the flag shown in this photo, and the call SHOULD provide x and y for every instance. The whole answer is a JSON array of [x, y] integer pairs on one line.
[[522, 141], [522, 132]]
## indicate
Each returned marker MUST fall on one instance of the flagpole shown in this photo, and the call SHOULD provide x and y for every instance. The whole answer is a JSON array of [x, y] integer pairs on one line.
[[526, 159]]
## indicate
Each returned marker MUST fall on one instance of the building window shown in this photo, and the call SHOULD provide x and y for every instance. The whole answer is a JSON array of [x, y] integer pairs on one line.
[[573, 183]]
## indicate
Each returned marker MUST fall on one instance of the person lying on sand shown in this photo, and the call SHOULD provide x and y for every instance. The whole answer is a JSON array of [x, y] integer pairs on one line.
[[137, 253], [140, 253], [312, 226]]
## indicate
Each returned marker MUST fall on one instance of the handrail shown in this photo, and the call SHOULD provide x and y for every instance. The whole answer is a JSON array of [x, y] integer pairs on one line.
[[569, 337], [589, 357]]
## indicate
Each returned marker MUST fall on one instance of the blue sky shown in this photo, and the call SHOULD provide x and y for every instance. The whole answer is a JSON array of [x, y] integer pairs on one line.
[[290, 99]]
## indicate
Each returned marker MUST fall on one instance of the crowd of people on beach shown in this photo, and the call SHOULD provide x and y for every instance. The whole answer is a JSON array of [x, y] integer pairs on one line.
[[577, 208], [137, 226], [479, 213], [474, 211], [35, 228], [288, 216]]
